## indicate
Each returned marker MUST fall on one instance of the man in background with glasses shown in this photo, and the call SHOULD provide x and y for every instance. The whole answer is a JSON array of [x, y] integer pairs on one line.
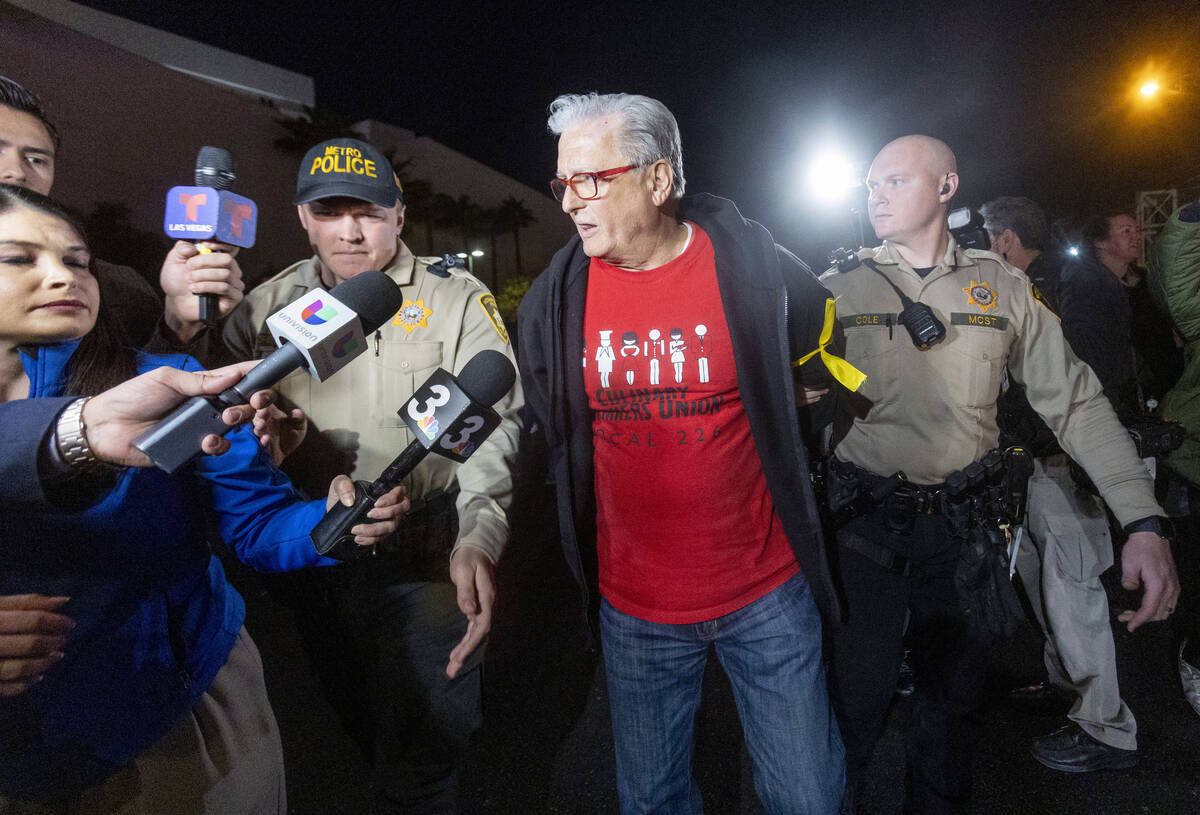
[[664, 350]]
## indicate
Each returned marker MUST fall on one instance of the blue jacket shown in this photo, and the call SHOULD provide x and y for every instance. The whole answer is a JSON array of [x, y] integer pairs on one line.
[[155, 617]]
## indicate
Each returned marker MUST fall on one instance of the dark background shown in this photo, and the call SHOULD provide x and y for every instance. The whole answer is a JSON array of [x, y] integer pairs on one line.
[[1036, 99]]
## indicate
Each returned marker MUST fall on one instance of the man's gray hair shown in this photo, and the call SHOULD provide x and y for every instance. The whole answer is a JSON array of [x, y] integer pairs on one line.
[[1022, 216], [648, 130]]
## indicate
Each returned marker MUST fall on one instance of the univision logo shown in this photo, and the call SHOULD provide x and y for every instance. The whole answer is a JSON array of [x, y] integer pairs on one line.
[[317, 313], [345, 345]]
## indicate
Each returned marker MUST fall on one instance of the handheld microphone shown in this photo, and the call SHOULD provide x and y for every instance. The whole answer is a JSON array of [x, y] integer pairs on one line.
[[210, 210], [447, 415], [320, 332]]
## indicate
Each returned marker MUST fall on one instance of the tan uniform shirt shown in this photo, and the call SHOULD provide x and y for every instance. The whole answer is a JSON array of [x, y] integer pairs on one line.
[[934, 411], [443, 322]]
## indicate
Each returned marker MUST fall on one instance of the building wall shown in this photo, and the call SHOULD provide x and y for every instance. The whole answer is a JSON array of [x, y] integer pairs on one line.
[[453, 174], [131, 129]]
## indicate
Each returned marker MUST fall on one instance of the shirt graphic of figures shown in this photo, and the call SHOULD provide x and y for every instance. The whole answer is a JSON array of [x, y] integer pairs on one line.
[[686, 527]]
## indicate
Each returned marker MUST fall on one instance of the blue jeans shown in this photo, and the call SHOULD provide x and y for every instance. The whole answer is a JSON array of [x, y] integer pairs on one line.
[[771, 652]]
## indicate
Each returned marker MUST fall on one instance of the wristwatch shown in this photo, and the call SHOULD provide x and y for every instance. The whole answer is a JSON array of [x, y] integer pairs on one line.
[[1155, 523], [71, 438]]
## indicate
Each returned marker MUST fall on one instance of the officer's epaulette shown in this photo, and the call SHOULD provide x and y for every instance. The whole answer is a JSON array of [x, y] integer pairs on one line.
[[987, 254], [845, 260], [444, 266], [450, 266]]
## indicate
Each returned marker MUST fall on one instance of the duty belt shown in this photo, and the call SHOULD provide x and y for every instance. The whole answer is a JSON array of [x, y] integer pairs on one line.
[[875, 489]]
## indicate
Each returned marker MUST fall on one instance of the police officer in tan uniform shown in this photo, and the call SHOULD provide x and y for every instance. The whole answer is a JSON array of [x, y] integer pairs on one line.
[[380, 630], [927, 413]]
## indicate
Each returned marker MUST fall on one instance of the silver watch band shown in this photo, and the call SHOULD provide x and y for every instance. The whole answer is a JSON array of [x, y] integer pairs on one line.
[[71, 437]]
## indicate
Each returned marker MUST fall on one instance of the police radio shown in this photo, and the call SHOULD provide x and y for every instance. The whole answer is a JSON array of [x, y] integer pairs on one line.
[[918, 319], [447, 415]]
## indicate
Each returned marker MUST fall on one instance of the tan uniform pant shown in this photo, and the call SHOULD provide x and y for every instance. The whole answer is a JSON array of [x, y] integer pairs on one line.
[[1066, 547], [223, 757]]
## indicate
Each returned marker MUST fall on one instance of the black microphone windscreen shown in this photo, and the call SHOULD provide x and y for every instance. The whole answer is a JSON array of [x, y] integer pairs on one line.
[[214, 168], [372, 295], [487, 376]]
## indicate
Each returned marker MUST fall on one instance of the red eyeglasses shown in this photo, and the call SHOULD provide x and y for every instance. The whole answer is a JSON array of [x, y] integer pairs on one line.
[[586, 185]]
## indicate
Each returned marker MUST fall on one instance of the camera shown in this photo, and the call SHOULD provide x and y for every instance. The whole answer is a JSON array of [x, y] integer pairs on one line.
[[966, 225]]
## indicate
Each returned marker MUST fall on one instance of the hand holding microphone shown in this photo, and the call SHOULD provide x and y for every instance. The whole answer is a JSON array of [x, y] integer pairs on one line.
[[320, 332], [198, 213], [447, 415], [188, 272], [377, 524]]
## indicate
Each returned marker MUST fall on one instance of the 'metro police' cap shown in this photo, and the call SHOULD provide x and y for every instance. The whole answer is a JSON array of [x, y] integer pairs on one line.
[[350, 168]]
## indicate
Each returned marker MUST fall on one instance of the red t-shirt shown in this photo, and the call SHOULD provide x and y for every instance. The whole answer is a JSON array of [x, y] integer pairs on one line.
[[686, 527]]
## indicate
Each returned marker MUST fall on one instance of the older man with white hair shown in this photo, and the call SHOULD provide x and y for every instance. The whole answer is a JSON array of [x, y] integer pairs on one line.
[[685, 476]]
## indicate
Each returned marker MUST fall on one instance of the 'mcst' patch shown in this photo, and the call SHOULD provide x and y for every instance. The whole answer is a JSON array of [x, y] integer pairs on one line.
[[979, 320], [488, 302], [856, 320]]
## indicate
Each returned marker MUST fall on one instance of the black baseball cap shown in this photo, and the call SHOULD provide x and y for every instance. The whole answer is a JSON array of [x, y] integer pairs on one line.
[[350, 168]]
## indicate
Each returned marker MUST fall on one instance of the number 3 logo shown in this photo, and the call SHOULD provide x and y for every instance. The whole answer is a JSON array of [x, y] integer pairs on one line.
[[472, 423], [441, 395]]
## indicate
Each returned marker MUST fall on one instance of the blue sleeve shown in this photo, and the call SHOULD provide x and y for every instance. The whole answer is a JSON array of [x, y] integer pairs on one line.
[[260, 515], [26, 423]]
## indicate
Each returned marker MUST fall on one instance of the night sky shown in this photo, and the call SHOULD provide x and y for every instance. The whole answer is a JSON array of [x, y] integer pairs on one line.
[[1035, 99]]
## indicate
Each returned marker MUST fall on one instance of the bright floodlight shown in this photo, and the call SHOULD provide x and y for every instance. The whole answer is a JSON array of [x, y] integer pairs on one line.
[[462, 255], [476, 253], [1073, 251], [830, 175], [1150, 88]]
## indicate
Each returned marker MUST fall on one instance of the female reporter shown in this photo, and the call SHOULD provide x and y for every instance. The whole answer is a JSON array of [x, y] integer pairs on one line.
[[127, 681]]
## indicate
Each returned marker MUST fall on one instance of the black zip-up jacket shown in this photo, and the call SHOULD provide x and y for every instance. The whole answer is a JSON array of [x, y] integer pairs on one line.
[[774, 306]]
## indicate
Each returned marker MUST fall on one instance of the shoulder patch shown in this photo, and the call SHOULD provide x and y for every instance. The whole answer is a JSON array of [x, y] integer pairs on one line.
[[1036, 293], [488, 303]]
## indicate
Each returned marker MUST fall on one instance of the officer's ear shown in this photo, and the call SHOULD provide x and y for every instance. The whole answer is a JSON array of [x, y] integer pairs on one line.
[[948, 188]]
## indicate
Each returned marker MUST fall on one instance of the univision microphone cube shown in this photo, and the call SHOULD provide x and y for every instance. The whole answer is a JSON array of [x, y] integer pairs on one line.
[[323, 328]]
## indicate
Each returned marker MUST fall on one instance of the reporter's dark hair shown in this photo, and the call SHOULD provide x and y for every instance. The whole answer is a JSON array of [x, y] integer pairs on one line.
[[1099, 228], [102, 360], [16, 96]]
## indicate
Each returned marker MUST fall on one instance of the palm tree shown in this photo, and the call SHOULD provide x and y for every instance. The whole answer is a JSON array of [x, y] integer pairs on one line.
[[312, 127], [512, 216], [491, 221], [419, 200], [464, 216]]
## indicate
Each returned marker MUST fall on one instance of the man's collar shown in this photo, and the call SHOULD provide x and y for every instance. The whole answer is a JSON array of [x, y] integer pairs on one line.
[[952, 258]]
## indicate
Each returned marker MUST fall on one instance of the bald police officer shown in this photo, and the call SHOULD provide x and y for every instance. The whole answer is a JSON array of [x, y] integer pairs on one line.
[[929, 410]]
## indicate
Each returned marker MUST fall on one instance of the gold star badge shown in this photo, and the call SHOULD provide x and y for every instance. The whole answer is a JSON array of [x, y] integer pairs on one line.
[[412, 315], [980, 294]]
